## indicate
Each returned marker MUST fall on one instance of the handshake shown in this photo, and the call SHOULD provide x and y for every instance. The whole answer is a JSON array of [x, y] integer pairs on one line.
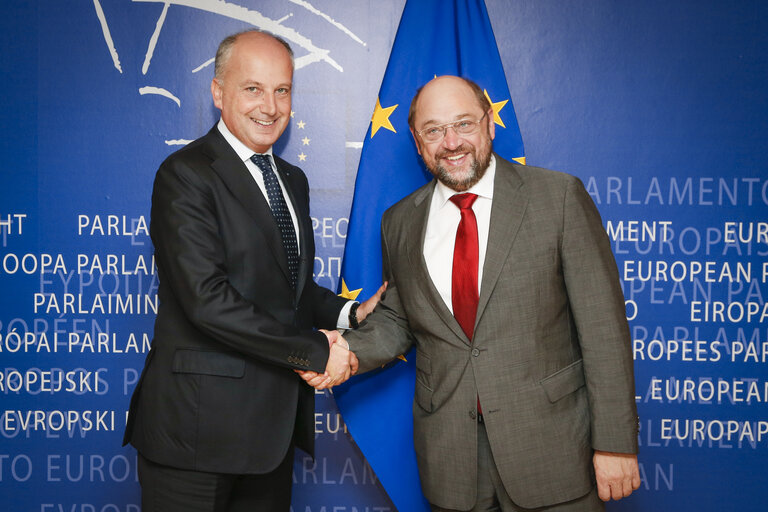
[[342, 364]]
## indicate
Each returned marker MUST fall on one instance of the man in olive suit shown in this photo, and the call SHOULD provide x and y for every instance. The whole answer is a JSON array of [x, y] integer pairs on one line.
[[503, 278]]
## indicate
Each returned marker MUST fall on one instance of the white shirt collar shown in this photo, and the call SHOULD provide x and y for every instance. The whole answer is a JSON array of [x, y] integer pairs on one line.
[[243, 151], [483, 188]]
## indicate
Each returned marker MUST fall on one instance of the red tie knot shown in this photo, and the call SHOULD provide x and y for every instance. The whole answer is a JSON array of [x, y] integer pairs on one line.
[[464, 201]]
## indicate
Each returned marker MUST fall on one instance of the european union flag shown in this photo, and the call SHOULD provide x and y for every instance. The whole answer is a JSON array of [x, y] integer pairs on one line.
[[435, 37]]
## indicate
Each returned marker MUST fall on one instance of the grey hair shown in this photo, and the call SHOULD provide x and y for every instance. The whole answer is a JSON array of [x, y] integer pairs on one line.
[[225, 49]]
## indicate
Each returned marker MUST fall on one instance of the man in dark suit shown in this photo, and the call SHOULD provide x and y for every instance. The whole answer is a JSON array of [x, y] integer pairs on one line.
[[219, 407], [502, 276]]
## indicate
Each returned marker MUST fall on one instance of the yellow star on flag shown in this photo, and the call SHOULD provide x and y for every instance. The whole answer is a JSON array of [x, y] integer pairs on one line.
[[347, 293], [380, 118], [496, 109]]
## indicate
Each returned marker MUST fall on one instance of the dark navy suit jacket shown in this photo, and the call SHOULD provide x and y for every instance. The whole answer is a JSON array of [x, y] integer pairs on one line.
[[218, 392]]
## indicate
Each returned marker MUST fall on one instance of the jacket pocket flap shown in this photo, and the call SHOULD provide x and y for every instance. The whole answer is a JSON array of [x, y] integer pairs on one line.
[[423, 364], [564, 382], [423, 396], [204, 362]]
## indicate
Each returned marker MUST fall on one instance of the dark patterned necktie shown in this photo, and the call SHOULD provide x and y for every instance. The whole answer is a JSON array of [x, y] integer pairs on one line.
[[280, 213]]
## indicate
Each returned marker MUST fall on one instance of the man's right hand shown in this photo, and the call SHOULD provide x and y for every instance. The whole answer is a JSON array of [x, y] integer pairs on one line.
[[342, 363]]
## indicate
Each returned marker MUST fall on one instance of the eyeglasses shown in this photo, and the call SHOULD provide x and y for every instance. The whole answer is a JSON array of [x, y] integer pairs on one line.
[[463, 127]]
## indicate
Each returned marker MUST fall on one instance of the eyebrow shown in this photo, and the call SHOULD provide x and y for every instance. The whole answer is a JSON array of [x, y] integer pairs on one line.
[[251, 83], [458, 117]]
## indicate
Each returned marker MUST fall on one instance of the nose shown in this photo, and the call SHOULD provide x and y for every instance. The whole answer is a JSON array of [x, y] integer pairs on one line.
[[269, 105], [451, 140]]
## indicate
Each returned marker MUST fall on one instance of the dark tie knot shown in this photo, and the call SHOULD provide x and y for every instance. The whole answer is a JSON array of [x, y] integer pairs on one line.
[[464, 201], [262, 162]]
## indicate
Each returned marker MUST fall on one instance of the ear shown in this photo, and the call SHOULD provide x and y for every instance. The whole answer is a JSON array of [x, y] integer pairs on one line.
[[491, 125], [216, 92], [416, 140]]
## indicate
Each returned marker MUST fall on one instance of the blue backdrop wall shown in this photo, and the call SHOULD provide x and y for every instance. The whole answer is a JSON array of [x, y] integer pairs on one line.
[[659, 106]]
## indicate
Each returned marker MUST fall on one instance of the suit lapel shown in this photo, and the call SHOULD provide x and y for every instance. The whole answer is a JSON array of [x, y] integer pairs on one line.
[[507, 211], [241, 185], [415, 235]]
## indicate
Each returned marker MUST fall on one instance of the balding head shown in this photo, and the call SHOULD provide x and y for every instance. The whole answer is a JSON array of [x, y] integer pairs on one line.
[[452, 124], [440, 84], [252, 88], [224, 50]]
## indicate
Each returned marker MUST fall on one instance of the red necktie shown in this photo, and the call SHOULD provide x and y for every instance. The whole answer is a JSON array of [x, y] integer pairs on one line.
[[466, 255], [464, 294]]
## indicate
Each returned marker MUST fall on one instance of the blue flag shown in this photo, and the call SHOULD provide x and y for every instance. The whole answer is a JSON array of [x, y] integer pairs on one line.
[[435, 37]]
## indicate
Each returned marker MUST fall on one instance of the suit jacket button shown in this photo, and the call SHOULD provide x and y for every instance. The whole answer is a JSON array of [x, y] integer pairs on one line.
[[475, 352], [472, 415]]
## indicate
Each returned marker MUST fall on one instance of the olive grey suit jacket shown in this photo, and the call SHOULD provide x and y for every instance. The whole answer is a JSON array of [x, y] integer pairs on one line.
[[218, 392], [550, 360]]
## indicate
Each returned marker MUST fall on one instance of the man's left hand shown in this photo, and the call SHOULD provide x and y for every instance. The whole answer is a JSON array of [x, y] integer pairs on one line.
[[617, 474], [367, 307]]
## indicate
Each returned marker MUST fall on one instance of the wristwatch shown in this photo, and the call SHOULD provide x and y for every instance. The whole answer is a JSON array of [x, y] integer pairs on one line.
[[353, 323]]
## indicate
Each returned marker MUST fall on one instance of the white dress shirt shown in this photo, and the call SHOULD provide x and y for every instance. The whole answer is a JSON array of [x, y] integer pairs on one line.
[[442, 223], [245, 153]]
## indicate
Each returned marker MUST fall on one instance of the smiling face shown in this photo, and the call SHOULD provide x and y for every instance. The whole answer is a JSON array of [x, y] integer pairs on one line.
[[253, 90], [458, 161]]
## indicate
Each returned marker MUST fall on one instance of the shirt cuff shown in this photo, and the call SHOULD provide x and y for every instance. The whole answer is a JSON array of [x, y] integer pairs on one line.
[[343, 321]]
